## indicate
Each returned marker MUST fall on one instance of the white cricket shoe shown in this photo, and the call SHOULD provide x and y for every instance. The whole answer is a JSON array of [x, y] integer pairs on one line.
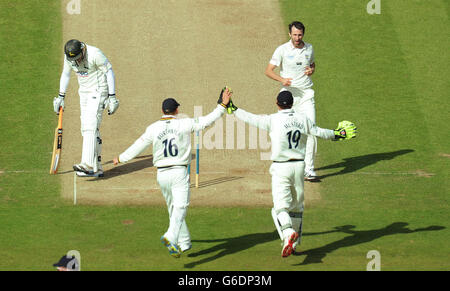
[[91, 174], [185, 248], [82, 167], [311, 176], [288, 243]]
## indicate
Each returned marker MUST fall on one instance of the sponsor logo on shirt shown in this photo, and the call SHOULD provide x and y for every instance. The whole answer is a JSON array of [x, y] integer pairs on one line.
[[82, 73]]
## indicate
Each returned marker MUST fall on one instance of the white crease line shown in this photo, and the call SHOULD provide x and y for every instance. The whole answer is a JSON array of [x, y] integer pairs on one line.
[[121, 188], [228, 173], [387, 173]]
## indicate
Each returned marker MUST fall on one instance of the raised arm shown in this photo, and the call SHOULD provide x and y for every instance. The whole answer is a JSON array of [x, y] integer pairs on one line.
[[202, 122], [344, 131], [259, 121]]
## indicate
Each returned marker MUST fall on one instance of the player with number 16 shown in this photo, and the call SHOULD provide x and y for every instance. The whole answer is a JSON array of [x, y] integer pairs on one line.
[[170, 138]]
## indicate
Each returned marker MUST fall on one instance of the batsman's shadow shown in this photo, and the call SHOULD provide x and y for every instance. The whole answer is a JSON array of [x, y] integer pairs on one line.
[[354, 164], [316, 255], [229, 246]]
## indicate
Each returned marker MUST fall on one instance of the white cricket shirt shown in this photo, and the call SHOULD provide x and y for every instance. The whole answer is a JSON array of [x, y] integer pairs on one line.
[[171, 139], [288, 131], [91, 73], [293, 61]]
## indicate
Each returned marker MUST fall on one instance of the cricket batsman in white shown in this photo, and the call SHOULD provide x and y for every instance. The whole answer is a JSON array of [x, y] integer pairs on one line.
[[97, 91], [288, 132], [170, 138]]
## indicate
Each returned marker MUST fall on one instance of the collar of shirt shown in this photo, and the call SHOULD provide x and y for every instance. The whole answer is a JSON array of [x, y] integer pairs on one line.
[[167, 117], [290, 110], [292, 47]]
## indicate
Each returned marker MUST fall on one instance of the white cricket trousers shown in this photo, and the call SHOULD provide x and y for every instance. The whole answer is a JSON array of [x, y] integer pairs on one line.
[[288, 193], [92, 105], [174, 183], [304, 103]]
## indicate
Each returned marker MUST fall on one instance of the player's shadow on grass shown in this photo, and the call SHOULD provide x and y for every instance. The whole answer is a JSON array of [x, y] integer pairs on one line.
[[316, 255], [228, 246], [138, 164], [354, 164]]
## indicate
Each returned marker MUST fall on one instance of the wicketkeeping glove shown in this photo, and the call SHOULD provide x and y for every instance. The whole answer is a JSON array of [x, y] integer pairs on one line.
[[231, 107], [345, 130], [113, 104], [58, 102]]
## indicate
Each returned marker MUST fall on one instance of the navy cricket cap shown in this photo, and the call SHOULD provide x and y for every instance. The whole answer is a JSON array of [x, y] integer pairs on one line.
[[285, 99], [169, 105]]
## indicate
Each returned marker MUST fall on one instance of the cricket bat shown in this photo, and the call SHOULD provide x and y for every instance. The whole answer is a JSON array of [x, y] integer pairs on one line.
[[57, 144]]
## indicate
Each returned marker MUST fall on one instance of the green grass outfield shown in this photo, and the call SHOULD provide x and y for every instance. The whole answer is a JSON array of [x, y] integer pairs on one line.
[[387, 190]]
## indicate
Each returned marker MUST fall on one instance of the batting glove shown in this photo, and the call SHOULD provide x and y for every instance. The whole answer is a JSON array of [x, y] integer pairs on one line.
[[58, 102], [345, 130], [113, 104]]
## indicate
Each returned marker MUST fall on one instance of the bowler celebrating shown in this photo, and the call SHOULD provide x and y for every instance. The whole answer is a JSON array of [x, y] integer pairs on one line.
[[296, 61]]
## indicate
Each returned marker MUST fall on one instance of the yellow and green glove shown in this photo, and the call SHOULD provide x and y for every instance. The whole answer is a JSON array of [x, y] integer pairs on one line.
[[231, 107], [345, 130]]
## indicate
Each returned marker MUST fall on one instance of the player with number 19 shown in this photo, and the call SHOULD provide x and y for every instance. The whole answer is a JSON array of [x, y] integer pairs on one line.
[[288, 132], [170, 138]]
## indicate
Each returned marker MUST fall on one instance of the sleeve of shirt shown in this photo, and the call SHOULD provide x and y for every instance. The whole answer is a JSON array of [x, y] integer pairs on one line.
[[312, 60], [259, 121], [65, 77], [142, 143], [111, 79], [276, 57], [102, 62], [313, 129], [202, 122]]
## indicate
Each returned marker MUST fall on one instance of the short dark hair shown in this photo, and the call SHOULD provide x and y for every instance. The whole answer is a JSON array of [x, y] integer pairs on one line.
[[285, 107], [297, 25]]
